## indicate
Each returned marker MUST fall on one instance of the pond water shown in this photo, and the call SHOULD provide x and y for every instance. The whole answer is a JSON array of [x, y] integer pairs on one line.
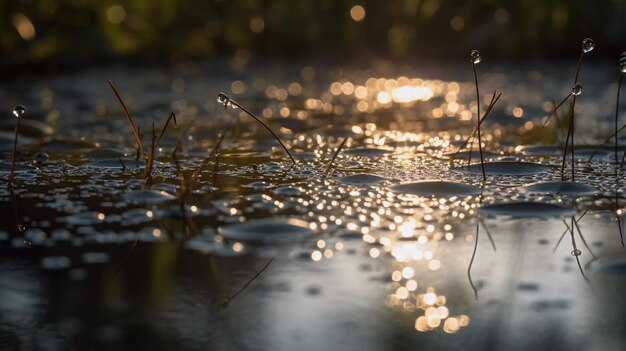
[[398, 244]]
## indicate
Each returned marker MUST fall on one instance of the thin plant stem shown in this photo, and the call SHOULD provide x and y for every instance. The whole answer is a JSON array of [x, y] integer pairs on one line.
[[17, 129], [555, 108], [233, 102], [614, 135], [179, 141], [569, 132], [332, 160], [129, 117], [494, 100], [147, 173], [172, 117], [480, 145], [572, 126], [619, 87], [195, 178]]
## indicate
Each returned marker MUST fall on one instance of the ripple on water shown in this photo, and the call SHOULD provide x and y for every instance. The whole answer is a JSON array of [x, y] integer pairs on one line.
[[266, 230], [362, 179], [561, 188], [288, 190], [527, 210], [611, 265], [436, 188], [464, 155], [504, 168], [6, 168], [117, 163], [369, 151], [148, 196]]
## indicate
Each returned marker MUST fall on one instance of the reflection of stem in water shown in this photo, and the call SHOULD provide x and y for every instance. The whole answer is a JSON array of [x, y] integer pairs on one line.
[[493, 244], [580, 234], [566, 230], [229, 299], [575, 249], [16, 209], [332, 160], [469, 268], [133, 246]]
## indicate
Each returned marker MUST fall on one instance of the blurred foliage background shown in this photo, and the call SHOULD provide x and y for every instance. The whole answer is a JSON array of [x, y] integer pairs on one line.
[[42, 31]]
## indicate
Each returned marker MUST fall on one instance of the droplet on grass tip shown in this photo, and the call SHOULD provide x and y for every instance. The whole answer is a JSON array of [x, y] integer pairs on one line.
[[224, 100], [19, 111], [622, 62], [475, 56], [588, 45]]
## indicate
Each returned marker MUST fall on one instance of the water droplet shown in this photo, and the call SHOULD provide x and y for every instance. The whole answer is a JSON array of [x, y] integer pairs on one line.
[[224, 100], [475, 56], [27, 244], [588, 45], [19, 111], [622, 62], [576, 252], [40, 158], [577, 89]]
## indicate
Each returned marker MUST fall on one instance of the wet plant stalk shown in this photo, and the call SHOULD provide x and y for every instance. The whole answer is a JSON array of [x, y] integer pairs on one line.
[[332, 160], [571, 123], [129, 117], [480, 145], [231, 101], [494, 100], [619, 88], [13, 156]]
